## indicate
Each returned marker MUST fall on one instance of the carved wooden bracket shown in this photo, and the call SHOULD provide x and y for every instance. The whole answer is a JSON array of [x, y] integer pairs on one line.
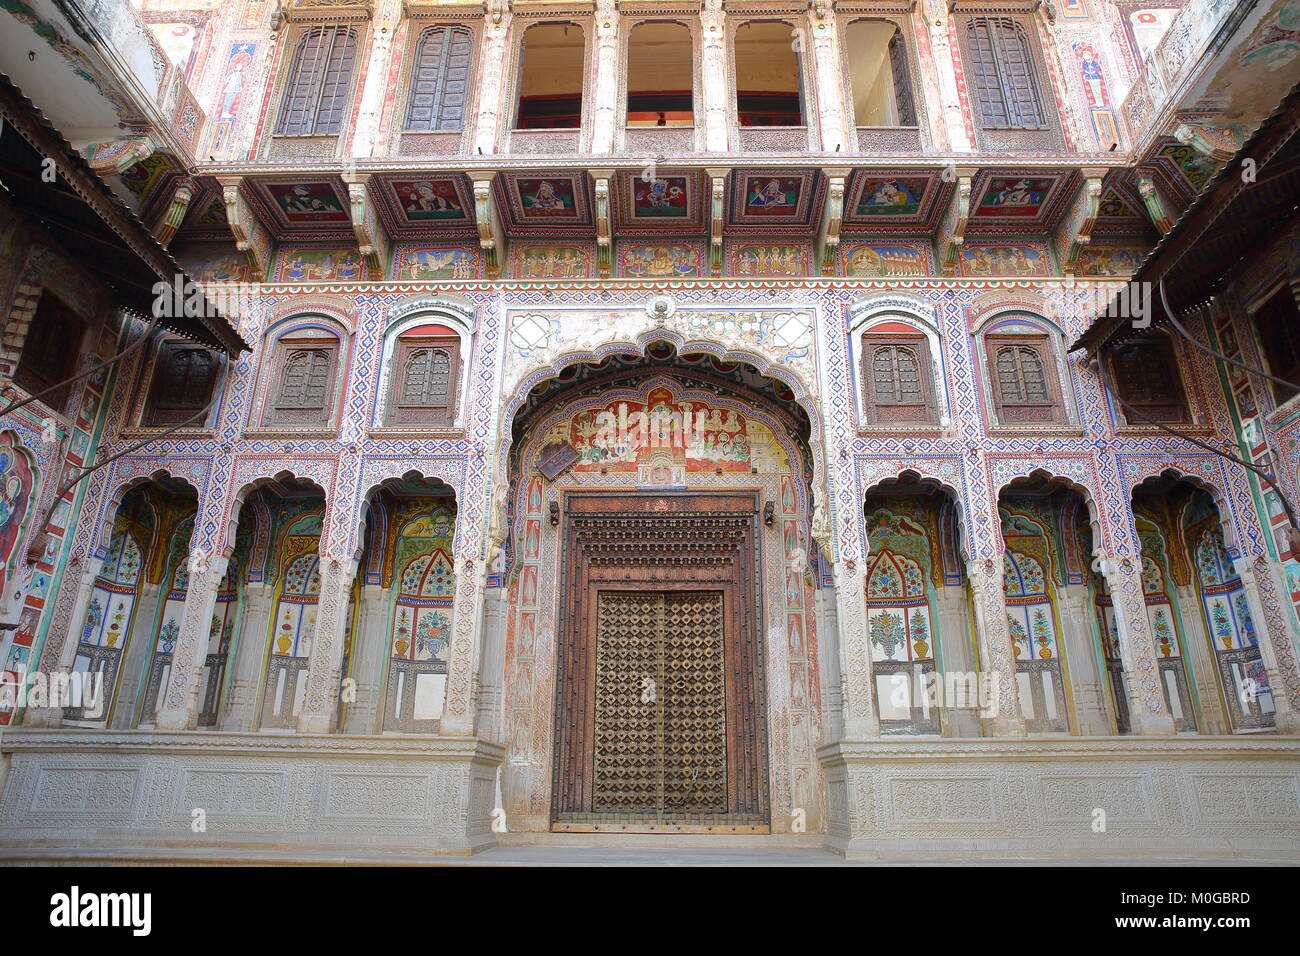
[[485, 215], [960, 215], [555, 512], [769, 514]]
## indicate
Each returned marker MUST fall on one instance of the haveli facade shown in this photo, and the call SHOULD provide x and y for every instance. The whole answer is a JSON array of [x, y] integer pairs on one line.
[[652, 418]]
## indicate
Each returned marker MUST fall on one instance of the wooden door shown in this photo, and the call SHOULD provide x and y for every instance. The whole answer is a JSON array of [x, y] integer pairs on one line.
[[660, 683]]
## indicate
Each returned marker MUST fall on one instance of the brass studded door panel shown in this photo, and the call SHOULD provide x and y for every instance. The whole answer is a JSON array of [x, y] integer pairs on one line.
[[659, 721], [660, 718]]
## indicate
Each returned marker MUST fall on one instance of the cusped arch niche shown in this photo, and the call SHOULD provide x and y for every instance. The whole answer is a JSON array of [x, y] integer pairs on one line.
[[742, 424], [912, 322], [424, 364]]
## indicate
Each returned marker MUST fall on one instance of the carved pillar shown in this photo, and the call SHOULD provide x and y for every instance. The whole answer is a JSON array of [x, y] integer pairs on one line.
[[1087, 676], [494, 62], [492, 673], [605, 88], [61, 649], [370, 655], [601, 179], [137, 656], [713, 67], [180, 706], [240, 712], [1148, 713], [463, 663], [320, 707], [993, 637], [372, 95], [961, 717], [945, 69], [1205, 675], [860, 716], [829, 81], [828, 664], [1270, 631]]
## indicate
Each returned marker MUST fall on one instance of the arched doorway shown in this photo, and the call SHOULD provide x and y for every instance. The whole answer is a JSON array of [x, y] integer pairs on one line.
[[658, 569]]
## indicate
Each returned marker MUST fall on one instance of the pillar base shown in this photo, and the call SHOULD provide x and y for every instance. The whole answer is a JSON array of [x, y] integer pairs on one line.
[[1066, 797], [265, 797]]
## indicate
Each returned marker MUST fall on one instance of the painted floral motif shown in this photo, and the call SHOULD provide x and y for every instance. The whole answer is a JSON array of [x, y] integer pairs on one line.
[[1164, 633], [1019, 639], [887, 632], [1042, 626], [167, 635]]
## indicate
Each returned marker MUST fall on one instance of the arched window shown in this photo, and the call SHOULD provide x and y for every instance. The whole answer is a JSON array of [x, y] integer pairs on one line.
[[902, 641], [660, 69], [316, 93], [896, 369], [423, 388], [878, 71], [421, 622], [440, 80], [182, 383], [1242, 674], [303, 377], [1024, 380], [550, 77], [769, 90], [1031, 622], [1001, 71]]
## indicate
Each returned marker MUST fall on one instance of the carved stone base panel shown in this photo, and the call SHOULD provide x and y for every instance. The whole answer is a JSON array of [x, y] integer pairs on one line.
[[1064, 797], [132, 795]]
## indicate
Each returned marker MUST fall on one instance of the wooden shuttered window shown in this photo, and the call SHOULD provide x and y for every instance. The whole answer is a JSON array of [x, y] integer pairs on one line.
[[903, 99], [304, 382], [423, 384], [440, 80], [316, 94], [1002, 75], [182, 384], [50, 351], [899, 383], [1025, 388], [1278, 324], [1146, 376]]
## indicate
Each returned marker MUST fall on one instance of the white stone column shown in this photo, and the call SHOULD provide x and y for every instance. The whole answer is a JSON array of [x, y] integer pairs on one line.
[[1204, 669], [716, 94], [369, 661], [997, 659], [1148, 713], [458, 716], [493, 64], [60, 650], [1259, 588], [320, 707], [1087, 676], [604, 91], [958, 658], [180, 707], [861, 719], [829, 81], [492, 672], [828, 663], [240, 711]]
